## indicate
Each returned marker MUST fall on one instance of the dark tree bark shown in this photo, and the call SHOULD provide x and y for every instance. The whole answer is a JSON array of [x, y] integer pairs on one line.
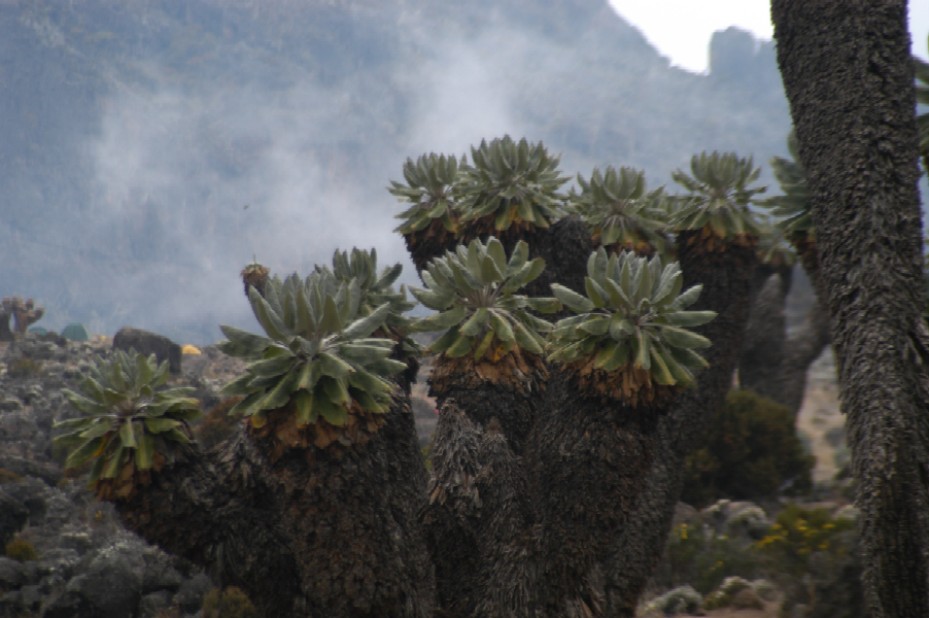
[[849, 78], [315, 533], [605, 479], [772, 363]]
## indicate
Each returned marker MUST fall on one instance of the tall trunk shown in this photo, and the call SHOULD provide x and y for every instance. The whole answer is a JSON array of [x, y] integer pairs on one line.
[[772, 363], [849, 79], [216, 510], [315, 533], [604, 479]]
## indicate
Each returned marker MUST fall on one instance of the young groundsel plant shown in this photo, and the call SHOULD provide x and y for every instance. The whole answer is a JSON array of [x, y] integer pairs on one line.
[[630, 339], [474, 291], [133, 422]]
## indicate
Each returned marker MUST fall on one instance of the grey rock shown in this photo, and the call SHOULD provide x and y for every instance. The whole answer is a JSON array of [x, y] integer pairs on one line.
[[10, 404], [12, 574], [160, 572], [13, 516], [152, 604], [190, 596], [146, 342]]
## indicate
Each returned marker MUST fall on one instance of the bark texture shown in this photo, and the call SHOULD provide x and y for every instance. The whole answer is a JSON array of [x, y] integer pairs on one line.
[[315, 533], [774, 363], [849, 79], [604, 480]]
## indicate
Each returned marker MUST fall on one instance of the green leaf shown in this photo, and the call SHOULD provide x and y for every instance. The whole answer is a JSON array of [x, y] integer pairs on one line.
[[127, 434], [501, 326], [159, 425], [303, 405], [460, 347], [473, 325], [145, 452], [572, 299]]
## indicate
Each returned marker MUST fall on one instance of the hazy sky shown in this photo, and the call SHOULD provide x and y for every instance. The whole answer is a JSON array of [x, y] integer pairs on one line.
[[681, 29]]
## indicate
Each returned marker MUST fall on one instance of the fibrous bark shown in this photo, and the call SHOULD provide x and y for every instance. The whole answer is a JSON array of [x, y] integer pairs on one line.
[[849, 79], [314, 533]]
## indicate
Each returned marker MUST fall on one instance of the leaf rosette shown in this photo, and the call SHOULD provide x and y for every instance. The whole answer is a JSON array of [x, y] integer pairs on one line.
[[717, 206], [318, 366], [631, 337], [133, 423], [511, 185], [474, 291], [792, 209], [430, 188], [376, 288], [619, 210]]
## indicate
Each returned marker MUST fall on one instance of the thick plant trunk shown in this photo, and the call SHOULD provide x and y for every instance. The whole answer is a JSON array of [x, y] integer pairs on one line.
[[772, 363], [605, 479], [477, 522], [849, 79], [315, 533], [215, 510]]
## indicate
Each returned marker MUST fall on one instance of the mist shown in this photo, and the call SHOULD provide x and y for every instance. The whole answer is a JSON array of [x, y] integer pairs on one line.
[[280, 160]]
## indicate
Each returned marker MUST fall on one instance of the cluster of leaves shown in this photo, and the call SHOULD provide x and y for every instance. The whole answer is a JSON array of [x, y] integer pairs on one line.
[[633, 316], [474, 290], [619, 210], [132, 420], [376, 288], [318, 356], [793, 207], [508, 183], [752, 452], [512, 183], [922, 98], [430, 188], [720, 191]]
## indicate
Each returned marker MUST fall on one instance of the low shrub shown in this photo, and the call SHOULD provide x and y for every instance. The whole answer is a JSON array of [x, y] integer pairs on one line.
[[21, 550], [230, 602], [752, 452], [702, 559], [23, 367]]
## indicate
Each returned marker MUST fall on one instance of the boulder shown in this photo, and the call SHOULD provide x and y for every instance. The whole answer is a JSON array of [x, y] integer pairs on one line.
[[13, 516], [146, 342]]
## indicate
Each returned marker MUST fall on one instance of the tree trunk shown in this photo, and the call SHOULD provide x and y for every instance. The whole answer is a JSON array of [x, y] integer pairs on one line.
[[315, 533], [849, 79], [602, 532]]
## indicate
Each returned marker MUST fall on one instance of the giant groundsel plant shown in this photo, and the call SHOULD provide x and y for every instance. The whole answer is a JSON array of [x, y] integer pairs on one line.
[[620, 211], [511, 185]]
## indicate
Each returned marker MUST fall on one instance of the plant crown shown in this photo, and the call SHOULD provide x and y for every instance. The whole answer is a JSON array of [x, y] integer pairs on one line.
[[719, 195], [430, 188], [319, 353], [512, 183], [130, 416], [632, 315], [473, 289], [618, 210]]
